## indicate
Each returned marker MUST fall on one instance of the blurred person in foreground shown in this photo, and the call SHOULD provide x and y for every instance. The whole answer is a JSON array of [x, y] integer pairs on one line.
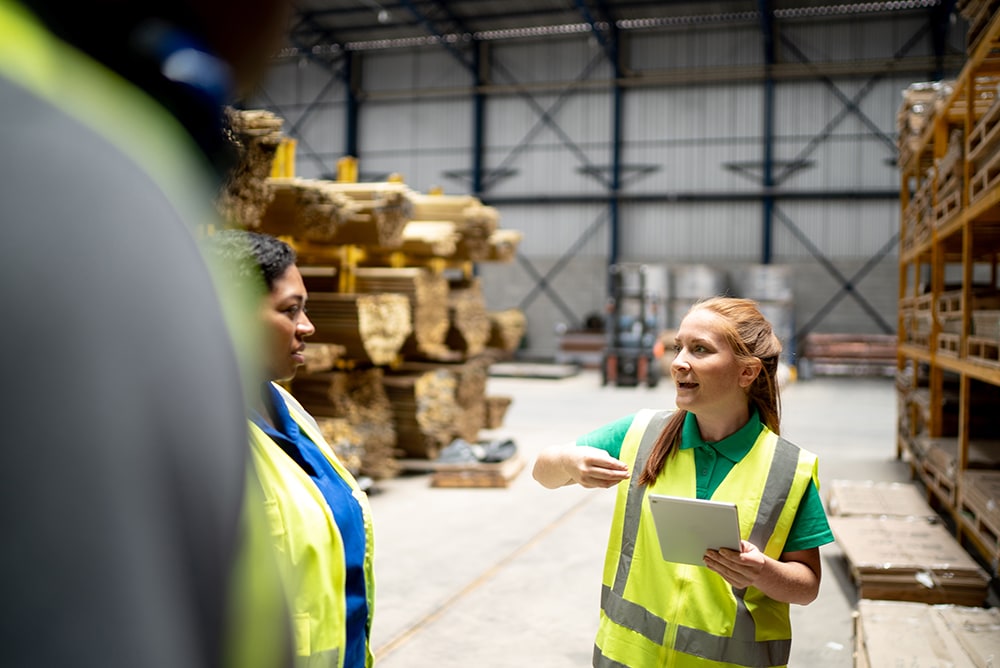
[[125, 463], [721, 443], [320, 519]]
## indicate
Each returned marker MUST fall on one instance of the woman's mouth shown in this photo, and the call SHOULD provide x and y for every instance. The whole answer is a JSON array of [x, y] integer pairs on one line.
[[686, 386]]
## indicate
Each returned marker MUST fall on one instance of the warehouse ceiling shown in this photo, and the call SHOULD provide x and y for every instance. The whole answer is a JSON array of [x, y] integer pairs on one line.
[[333, 26]]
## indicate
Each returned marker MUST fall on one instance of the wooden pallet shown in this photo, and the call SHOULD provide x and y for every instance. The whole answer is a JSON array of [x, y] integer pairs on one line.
[[501, 474], [949, 344], [985, 133], [948, 205], [938, 480], [987, 176], [983, 351], [986, 324]]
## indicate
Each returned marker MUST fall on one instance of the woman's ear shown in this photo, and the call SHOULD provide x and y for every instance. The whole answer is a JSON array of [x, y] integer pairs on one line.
[[749, 372]]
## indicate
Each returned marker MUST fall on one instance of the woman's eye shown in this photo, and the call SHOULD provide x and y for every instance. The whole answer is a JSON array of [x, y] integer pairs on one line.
[[677, 348]]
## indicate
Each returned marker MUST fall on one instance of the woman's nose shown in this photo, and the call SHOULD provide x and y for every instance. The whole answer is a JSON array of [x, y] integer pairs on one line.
[[680, 361], [304, 327]]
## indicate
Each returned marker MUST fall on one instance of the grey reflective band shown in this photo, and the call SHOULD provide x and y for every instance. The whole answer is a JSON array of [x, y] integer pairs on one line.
[[601, 661], [326, 659], [633, 616], [776, 489], [633, 503], [741, 648]]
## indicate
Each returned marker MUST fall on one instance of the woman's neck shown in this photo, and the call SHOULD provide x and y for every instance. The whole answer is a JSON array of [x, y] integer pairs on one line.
[[265, 404], [715, 428]]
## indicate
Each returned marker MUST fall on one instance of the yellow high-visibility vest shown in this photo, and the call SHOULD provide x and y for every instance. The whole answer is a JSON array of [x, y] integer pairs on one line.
[[309, 545], [658, 614]]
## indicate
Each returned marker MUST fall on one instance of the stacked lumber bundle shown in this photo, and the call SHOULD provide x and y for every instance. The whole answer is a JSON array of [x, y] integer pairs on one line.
[[507, 329], [474, 221], [305, 209], [255, 137], [908, 559], [424, 410], [371, 327], [390, 278], [353, 408], [851, 354], [428, 296], [471, 325], [918, 634]]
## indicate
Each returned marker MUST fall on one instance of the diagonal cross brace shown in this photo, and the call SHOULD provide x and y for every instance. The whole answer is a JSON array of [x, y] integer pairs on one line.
[[543, 282], [847, 285]]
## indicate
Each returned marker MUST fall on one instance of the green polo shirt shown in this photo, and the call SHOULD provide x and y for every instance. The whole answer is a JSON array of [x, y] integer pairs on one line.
[[714, 461]]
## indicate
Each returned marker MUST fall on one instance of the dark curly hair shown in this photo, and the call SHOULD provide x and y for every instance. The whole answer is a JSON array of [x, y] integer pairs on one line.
[[250, 256]]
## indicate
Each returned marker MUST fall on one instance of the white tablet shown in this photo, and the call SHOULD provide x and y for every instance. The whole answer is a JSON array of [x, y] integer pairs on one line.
[[688, 527]]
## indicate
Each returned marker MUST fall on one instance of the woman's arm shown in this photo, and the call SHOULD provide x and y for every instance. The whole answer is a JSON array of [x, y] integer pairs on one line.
[[562, 465], [792, 579]]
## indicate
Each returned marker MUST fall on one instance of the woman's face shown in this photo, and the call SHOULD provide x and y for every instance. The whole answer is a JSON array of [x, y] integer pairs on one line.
[[709, 378], [283, 312]]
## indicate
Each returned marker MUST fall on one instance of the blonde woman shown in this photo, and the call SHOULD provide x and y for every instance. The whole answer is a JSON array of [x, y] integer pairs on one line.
[[721, 443]]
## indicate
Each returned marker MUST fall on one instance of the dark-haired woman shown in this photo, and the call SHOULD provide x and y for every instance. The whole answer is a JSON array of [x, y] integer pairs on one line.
[[320, 519]]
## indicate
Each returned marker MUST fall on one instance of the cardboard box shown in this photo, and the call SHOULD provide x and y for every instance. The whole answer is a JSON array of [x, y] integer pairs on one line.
[[909, 560], [867, 498], [918, 635]]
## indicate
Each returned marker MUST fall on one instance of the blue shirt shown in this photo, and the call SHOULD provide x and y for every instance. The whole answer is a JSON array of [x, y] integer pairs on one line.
[[713, 461], [346, 512]]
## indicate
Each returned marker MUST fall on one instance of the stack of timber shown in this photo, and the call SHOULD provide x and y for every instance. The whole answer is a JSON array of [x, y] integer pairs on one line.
[[909, 559], [305, 209], [424, 410], [474, 221], [851, 354], [391, 281], [428, 295], [370, 327], [353, 408], [255, 137], [888, 633], [471, 326]]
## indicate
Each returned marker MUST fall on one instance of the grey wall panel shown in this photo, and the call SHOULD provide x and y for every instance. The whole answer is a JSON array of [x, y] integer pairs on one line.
[[412, 69], [838, 230], [580, 230], [557, 59], [701, 47], [690, 232], [580, 286], [861, 38], [692, 135]]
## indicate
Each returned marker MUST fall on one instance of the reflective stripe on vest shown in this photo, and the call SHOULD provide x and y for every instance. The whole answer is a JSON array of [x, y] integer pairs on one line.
[[788, 467]]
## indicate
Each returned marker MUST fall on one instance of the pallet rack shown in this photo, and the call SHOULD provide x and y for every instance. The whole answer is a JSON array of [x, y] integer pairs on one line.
[[948, 377]]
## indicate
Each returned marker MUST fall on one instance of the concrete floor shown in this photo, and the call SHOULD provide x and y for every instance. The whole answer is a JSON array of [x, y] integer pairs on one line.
[[501, 578]]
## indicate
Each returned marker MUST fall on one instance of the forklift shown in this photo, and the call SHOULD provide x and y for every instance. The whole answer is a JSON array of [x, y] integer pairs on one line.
[[631, 353]]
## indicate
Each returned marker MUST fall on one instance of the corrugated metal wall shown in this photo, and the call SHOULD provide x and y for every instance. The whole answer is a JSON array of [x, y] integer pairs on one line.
[[692, 155]]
